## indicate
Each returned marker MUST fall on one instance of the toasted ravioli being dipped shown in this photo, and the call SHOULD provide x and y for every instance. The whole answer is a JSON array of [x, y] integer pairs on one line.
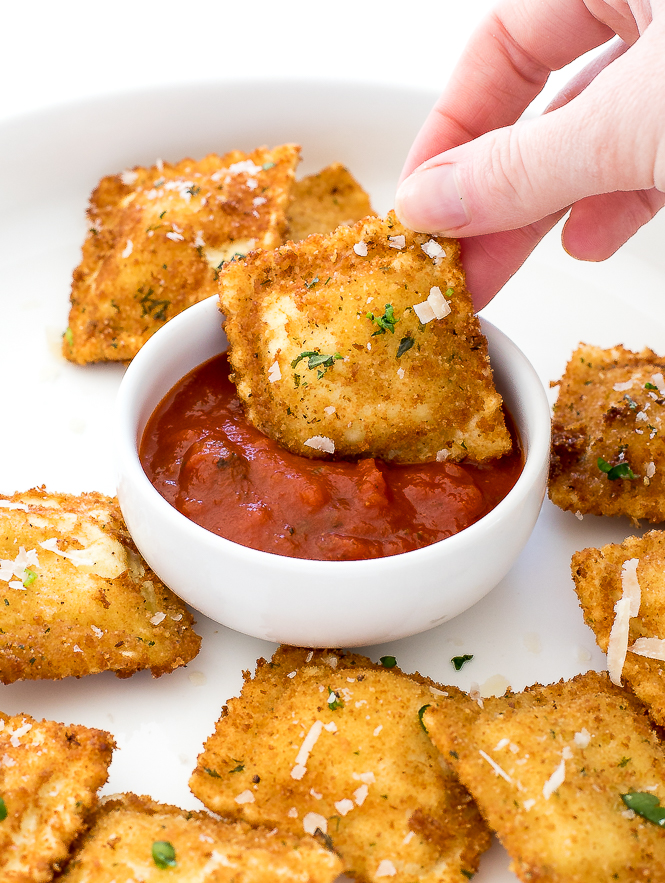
[[157, 237], [608, 434], [631, 632], [76, 596], [321, 202], [330, 744], [49, 777], [571, 777], [135, 838], [363, 342]]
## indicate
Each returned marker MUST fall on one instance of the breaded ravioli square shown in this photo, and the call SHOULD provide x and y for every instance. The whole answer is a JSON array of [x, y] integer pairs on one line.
[[363, 342], [608, 434], [156, 239], [549, 767], [49, 777], [135, 838], [330, 744], [76, 596], [321, 202], [601, 577]]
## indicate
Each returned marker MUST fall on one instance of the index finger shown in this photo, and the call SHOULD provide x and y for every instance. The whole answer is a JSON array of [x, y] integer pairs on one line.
[[503, 68]]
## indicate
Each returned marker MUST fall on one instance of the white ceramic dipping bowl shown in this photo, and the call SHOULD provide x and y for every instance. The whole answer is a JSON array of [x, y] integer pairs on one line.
[[321, 603]]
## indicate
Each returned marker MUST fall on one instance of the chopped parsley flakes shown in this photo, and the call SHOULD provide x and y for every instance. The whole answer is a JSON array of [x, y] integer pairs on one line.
[[3, 810], [458, 661], [645, 805], [320, 361], [388, 661], [386, 322], [163, 854], [621, 470], [405, 344]]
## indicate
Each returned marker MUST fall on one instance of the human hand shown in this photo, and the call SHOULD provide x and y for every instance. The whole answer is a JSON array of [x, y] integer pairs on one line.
[[476, 173]]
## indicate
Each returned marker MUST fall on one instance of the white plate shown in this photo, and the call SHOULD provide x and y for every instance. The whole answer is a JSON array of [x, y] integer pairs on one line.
[[58, 417]]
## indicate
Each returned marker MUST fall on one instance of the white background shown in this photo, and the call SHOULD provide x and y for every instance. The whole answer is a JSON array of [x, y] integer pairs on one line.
[[51, 53]]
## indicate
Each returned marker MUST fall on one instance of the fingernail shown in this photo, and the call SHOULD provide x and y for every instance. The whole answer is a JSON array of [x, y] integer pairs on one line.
[[430, 201]]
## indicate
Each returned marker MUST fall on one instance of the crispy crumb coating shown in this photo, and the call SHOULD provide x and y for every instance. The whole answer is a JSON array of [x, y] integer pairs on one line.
[[326, 344], [320, 739], [610, 406], [547, 768], [49, 778], [157, 237], [321, 202], [119, 847], [598, 583], [86, 603]]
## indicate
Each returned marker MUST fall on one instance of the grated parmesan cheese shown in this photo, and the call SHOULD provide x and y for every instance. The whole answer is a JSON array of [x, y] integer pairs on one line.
[[321, 443], [397, 241], [495, 766], [245, 797], [626, 607], [386, 868], [438, 303], [555, 780], [313, 821], [653, 648], [157, 618], [582, 738], [360, 249], [433, 250], [274, 374], [360, 795], [344, 806], [622, 387], [128, 249], [309, 742], [424, 312]]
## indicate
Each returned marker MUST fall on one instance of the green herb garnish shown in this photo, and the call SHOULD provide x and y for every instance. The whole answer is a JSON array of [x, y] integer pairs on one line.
[[632, 404], [645, 805], [311, 284], [649, 385], [163, 854], [388, 661], [3, 810], [421, 712], [621, 470], [29, 577], [336, 703], [316, 360], [386, 322], [458, 661], [405, 344], [69, 337]]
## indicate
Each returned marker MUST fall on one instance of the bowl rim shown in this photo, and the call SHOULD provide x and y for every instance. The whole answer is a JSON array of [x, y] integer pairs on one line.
[[131, 418]]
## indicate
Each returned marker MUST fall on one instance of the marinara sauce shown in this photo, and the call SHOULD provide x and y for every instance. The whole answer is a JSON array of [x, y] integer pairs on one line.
[[205, 459]]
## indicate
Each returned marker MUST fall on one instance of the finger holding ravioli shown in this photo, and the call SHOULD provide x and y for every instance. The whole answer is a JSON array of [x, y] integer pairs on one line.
[[363, 342]]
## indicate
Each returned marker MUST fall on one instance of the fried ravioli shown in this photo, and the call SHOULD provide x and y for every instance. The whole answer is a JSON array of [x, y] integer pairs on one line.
[[608, 434], [363, 342], [324, 742], [134, 838], [321, 202], [600, 576], [49, 777], [548, 768], [157, 237], [76, 596]]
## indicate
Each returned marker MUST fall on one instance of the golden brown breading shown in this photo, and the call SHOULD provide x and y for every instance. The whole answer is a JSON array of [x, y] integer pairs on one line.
[[322, 740], [547, 768], [329, 352], [49, 777], [610, 406], [599, 585], [76, 596], [120, 846], [157, 236], [321, 202]]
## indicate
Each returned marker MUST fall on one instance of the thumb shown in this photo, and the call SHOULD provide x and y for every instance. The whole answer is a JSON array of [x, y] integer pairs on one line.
[[606, 139]]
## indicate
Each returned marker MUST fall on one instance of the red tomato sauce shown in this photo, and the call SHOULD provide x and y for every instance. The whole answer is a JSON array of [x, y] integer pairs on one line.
[[210, 464]]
